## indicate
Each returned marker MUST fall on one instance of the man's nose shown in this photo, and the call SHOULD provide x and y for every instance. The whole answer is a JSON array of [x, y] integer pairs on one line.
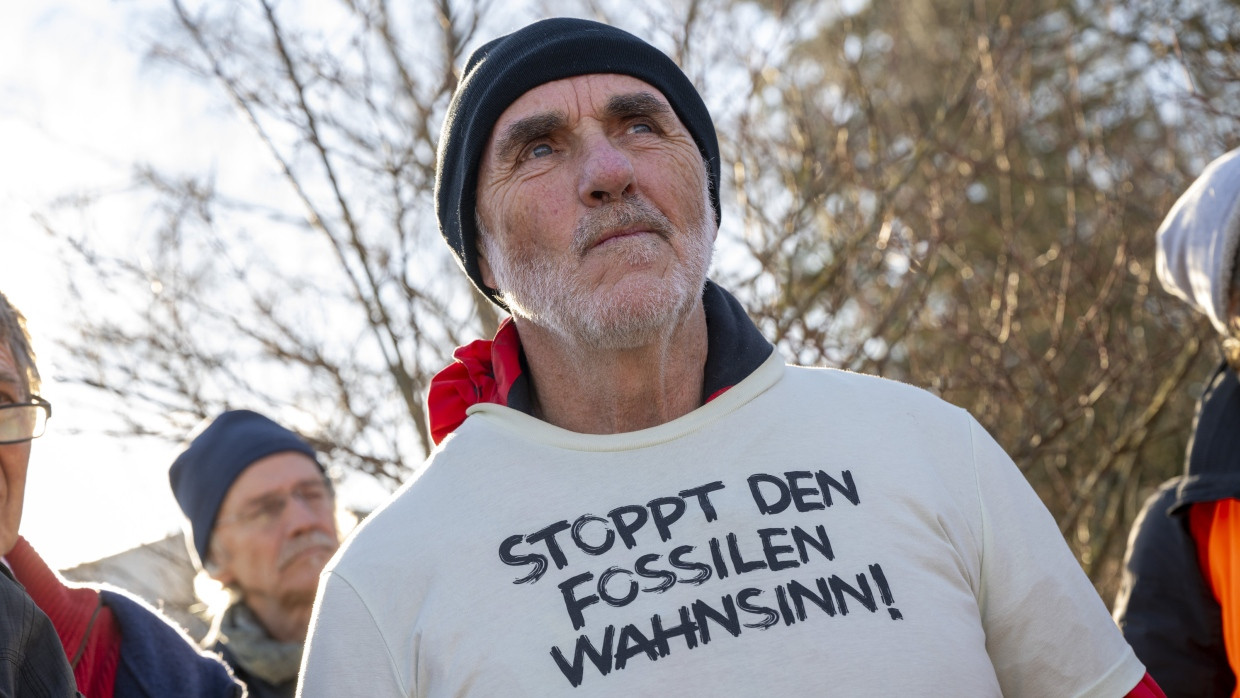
[[299, 515], [606, 174]]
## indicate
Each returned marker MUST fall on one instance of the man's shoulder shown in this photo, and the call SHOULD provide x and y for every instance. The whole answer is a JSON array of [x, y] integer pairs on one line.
[[31, 657], [17, 608], [401, 523], [861, 390]]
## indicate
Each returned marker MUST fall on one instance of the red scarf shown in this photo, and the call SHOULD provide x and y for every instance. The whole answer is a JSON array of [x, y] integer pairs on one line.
[[484, 371]]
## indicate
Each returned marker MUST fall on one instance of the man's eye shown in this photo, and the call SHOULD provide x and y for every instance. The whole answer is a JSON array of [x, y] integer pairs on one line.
[[541, 150], [267, 509], [313, 494], [641, 128]]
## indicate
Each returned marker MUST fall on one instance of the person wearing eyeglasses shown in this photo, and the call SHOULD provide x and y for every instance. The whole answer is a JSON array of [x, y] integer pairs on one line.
[[105, 641], [261, 513], [32, 661]]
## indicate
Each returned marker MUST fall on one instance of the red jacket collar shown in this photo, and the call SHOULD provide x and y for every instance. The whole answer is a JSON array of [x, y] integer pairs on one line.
[[492, 370]]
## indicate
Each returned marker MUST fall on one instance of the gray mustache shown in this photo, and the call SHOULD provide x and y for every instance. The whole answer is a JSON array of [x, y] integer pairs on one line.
[[304, 542], [626, 213]]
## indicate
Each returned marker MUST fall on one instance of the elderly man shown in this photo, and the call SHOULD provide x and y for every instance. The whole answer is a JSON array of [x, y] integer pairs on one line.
[[633, 494], [117, 645], [262, 522]]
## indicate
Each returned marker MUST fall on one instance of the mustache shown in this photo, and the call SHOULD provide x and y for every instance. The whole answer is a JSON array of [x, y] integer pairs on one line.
[[306, 541], [627, 213]]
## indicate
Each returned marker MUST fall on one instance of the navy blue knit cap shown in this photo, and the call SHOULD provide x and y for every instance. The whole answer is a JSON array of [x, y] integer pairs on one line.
[[502, 70], [203, 473]]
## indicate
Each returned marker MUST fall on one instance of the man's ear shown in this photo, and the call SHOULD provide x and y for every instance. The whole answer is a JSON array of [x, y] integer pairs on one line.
[[483, 243], [484, 269], [217, 565]]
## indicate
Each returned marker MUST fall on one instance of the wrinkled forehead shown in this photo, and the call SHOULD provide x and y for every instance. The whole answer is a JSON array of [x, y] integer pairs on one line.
[[576, 97], [273, 473]]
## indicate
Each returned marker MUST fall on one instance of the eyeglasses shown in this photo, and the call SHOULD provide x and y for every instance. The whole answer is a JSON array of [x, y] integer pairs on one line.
[[264, 512], [24, 421]]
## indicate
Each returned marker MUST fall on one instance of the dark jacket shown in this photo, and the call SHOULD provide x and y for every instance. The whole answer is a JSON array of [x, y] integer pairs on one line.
[[158, 661], [32, 662], [1165, 607], [1213, 469], [258, 688]]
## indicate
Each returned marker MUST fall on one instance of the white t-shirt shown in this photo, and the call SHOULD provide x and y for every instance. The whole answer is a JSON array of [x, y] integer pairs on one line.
[[808, 532]]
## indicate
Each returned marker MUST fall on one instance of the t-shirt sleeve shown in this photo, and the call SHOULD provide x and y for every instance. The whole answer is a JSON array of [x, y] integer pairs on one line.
[[345, 649], [1047, 630]]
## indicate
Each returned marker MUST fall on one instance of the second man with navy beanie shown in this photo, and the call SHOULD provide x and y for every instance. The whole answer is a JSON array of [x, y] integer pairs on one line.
[[261, 517]]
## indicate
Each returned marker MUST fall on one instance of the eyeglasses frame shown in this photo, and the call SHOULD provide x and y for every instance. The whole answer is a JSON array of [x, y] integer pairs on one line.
[[34, 401]]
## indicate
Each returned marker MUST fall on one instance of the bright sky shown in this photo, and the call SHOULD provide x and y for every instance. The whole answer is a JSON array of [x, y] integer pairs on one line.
[[78, 106]]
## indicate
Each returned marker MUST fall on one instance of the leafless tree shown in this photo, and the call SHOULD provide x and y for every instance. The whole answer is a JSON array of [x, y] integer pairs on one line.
[[960, 195], [974, 190], [329, 293]]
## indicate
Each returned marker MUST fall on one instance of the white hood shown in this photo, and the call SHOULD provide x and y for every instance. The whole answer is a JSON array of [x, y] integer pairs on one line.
[[1197, 242]]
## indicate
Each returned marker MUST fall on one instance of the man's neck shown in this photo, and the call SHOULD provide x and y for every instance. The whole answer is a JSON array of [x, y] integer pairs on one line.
[[286, 624], [596, 391]]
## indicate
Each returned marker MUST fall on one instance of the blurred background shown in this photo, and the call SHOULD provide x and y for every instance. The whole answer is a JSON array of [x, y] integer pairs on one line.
[[212, 205]]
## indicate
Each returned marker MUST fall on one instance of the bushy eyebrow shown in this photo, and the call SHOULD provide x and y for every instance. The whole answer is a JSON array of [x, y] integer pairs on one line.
[[515, 135], [267, 496], [522, 131], [635, 104]]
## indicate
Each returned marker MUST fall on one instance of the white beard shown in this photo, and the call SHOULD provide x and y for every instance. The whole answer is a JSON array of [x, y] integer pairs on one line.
[[550, 292]]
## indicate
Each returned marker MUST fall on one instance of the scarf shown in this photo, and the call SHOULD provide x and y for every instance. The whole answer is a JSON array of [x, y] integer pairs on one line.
[[253, 649]]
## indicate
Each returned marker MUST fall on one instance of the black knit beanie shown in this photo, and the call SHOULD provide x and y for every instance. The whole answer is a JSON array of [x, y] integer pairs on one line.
[[502, 70], [203, 474]]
